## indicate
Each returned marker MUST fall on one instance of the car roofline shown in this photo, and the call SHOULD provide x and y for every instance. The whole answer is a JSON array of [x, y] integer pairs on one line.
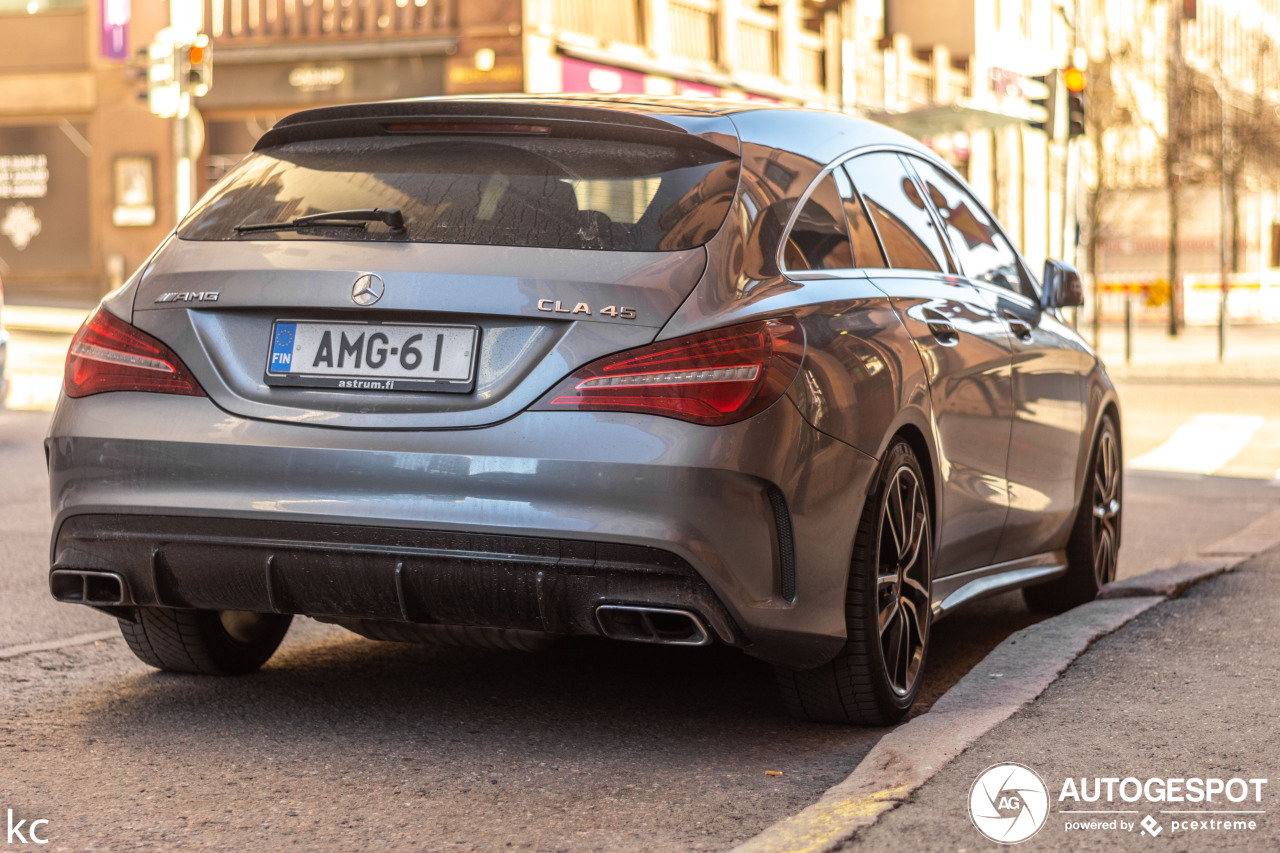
[[566, 116]]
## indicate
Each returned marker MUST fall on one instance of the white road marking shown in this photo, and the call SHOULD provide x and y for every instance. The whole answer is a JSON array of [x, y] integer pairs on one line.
[[1202, 445], [33, 392], [62, 643]]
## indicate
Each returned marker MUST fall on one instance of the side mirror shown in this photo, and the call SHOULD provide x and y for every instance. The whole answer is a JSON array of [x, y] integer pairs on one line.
[[1062, 287]]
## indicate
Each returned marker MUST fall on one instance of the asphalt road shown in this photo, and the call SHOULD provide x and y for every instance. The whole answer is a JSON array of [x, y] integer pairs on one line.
[[343, 742]]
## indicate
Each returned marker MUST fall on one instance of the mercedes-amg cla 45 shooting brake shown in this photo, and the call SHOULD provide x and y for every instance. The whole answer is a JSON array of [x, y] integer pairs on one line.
[[501, 370]]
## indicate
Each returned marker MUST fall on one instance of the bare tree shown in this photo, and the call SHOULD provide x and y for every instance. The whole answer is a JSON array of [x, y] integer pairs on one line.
[[1254, 121], [1228, 126], [1211, 127], [1121, 80]]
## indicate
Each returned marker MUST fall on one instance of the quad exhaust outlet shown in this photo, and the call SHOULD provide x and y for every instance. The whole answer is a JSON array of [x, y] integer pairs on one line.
[[661, 625], [94, 588]]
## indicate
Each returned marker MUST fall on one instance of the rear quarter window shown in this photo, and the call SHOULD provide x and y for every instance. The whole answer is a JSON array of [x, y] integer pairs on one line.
[[819, 238]]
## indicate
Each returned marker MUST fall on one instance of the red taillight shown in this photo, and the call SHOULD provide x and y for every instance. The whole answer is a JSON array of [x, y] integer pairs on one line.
[[108, 354], [709, 378]]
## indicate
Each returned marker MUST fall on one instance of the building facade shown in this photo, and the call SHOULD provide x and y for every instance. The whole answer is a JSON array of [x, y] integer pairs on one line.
[[88, 177], [983, 121], [1191, 97], [74, 141]]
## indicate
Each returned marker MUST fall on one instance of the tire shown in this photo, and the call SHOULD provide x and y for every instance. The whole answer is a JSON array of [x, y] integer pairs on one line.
[[204, 642], [874, 679], [1094, 545]]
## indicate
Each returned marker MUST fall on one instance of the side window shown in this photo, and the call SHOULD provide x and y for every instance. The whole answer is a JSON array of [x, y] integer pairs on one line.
[[983, 252], [819, 240], [866, 247], [893, 199]]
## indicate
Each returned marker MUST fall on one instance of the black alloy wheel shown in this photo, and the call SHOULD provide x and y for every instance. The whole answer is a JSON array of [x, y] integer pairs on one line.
[[1093, 551], [1105, 516], [902, 580], [874, 679]]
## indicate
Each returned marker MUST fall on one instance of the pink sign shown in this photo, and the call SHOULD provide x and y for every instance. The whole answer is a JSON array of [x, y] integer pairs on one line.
[[686, 89], [115, 28], [579, 76]]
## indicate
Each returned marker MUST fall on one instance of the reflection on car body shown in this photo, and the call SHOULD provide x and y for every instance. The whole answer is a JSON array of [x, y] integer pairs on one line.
[[766, 377]]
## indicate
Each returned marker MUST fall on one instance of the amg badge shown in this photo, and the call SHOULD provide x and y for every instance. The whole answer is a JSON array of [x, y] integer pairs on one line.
[[190, 296]]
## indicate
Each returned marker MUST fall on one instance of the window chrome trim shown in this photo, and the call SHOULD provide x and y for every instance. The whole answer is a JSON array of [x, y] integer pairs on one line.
[[933, 160], [995, 222], [953, 257], [813, 185]]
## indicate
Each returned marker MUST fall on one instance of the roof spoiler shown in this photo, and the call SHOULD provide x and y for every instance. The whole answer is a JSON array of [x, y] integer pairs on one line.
[[713, 134]]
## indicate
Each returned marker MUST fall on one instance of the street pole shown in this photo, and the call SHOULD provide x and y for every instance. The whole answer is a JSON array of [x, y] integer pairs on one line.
[[1223, 204], [185, 21], [182, 160], [1128, 326], [1173, 143]]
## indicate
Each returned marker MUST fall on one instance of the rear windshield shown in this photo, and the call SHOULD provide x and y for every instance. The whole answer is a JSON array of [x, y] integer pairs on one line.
[[519, 191]]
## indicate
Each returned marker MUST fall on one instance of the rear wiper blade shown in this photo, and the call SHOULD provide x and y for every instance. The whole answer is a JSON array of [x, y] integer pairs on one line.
[[389, 215]]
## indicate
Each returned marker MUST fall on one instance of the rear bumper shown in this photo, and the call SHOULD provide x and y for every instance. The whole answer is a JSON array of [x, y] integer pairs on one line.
[[531, 523], [392, 574]]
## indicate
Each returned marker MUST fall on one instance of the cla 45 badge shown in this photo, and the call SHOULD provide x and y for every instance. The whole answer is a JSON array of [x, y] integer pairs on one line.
[[555, 306]]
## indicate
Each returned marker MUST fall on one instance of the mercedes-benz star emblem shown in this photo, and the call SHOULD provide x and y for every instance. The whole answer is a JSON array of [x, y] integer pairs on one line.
[[367, 289]]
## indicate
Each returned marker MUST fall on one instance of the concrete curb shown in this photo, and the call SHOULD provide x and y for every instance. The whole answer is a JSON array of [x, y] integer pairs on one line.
[[1011, 676], [1168, 583], [1006, 680]]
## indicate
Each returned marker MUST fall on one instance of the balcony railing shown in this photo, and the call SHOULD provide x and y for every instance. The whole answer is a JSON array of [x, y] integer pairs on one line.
[[693, 30], [745, 39], [810, 70], [606, 20], [899, 77], [249, 21], [758, 42]]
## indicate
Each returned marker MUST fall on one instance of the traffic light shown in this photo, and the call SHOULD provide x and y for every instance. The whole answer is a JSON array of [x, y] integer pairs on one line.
[[1073, 79], [197, 66], [164, 95], [137, 71], [1048, 102]]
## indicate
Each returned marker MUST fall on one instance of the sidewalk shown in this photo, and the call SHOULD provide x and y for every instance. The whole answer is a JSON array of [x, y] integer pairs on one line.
[[1253, 353], [48, 319], [1188, 690]]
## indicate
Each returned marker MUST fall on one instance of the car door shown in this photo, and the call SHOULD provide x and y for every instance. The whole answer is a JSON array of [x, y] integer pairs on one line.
[[965, 351], [1049, 370]]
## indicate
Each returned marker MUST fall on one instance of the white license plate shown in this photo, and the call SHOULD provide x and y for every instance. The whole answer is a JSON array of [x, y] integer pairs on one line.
[[372, 357]]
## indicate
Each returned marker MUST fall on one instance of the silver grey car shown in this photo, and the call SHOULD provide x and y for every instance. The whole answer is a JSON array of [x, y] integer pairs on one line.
[[500, 370]]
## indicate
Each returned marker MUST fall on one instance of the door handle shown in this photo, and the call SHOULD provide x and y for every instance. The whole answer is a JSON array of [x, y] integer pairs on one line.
[[940, 327], [1020, 327]]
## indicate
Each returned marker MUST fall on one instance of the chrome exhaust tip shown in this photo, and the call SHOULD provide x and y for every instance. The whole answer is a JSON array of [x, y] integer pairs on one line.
[[96, 589], [662, 625]]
